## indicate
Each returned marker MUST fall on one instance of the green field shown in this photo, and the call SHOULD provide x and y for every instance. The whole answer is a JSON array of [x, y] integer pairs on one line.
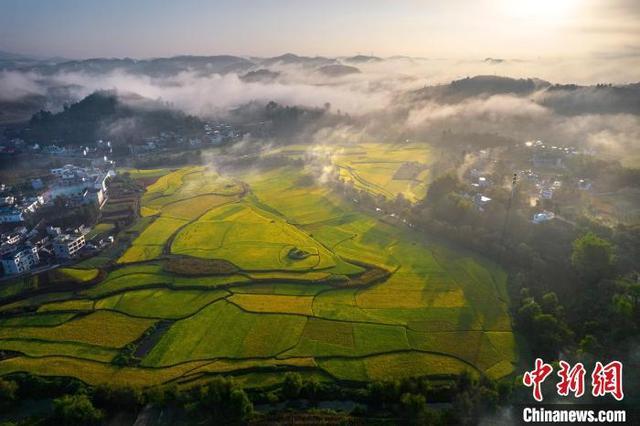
[[279, 283]]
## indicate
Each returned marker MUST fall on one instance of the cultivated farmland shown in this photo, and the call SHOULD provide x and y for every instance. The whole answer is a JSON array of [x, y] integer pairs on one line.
[[266, 271]]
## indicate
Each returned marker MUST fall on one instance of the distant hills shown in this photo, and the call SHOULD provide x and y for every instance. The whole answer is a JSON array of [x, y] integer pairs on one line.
[[459, 90], [202, 65], [44, 88], [160, 67], [10, 60], [563, 99]]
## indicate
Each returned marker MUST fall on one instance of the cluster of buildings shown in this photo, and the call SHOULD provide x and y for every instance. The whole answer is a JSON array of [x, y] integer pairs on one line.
[[76, 185], [217, 133], [14, 207], [14, 146], [80, 185], [212, 134], [549, 156], [99, 152], [22, 251], [547, 162], [479, 183]]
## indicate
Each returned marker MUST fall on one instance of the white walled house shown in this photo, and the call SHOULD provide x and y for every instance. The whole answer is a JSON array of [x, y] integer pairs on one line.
[[22, 260], [544, 216], [82, 185], [10, 215], [67, 246]]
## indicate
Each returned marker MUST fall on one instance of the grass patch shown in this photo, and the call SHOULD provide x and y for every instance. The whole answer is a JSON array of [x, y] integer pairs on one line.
[[75, 275], [99, 229]]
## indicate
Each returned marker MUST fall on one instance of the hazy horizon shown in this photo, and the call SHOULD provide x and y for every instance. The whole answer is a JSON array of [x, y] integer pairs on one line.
[[524, 29]]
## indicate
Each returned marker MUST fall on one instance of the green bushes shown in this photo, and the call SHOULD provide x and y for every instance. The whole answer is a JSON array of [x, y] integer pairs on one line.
[[221, 401], [8, 392], [72, 410]]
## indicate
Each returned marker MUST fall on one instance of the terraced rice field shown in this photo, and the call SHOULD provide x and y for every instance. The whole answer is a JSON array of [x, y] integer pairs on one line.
[[293, 299]]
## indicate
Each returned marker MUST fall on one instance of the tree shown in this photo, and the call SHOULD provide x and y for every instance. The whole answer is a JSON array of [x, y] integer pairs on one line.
[[545, 326], [292, 385], [592, 257], [240, 407], [550, 304], [71, 410], [221, 400], [312, 388], [118, 397], [8, 391], [589, 344], [414, 408], [441, 187]]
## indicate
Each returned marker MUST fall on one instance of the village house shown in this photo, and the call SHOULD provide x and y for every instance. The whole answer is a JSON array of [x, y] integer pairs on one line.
[[66, 246], [21, 260], [543, 217], [80, 185], [481, 201], [7, 200], [546, 193], [584, 184], [37, 183], [10, 215]]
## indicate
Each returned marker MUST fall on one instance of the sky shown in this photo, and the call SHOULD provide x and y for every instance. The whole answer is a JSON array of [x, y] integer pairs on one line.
[[76, 29]]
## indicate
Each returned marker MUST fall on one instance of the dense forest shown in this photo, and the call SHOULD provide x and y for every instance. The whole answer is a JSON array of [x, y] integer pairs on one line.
[[109, 116]]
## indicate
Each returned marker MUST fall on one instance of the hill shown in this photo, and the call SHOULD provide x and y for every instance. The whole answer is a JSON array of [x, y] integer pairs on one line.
[[568, 99], [107, 115], [261, 75], [338, 70], [157, 67]]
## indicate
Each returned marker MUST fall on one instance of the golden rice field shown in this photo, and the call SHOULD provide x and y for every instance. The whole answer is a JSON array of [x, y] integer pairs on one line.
[[281, 290]]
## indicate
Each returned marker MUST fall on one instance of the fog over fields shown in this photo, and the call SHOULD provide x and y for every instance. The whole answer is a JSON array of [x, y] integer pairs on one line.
[[537, 99]]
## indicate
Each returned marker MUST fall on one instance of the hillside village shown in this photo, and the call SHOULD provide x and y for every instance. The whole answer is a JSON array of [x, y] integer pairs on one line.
[[28, 241]]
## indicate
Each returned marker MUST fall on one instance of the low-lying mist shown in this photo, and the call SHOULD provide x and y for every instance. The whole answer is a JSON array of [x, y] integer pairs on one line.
[[384, 98]]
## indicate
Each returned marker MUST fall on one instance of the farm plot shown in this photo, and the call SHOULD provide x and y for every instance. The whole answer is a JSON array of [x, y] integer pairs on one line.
[[251, 239], [149, 245], [36, 320], [222, 330], [271, 303], [189, 185], [393, 366], [323, 338], [106, 329], [95, 373], [36, 348], [160, 303], [387, 169], [75, 275], [147, 276]]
